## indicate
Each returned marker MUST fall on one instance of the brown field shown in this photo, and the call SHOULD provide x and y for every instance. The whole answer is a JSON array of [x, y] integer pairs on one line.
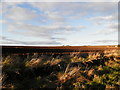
[[60, 67], [55, 49]]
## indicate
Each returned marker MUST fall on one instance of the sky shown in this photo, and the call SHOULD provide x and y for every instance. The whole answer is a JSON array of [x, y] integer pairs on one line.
[[59, 23]]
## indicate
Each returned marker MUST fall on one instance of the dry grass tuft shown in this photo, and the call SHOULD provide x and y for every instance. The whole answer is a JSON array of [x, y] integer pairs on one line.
[[33, 62]]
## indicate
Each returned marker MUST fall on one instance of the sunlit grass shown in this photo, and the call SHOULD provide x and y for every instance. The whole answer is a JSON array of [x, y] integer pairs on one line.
[[71, 71]]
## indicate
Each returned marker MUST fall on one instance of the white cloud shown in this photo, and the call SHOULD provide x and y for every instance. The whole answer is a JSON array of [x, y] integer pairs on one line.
[[58, 11], [6, 6], [40, 31], [7, 41], [55, 16], [76, 8], [109, 24], [113, 26], [103, 18], [109, 29], [20, 14], [106, 41], [1, 21]]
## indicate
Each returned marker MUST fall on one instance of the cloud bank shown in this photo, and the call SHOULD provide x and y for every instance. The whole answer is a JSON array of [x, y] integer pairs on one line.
[[57, 23]]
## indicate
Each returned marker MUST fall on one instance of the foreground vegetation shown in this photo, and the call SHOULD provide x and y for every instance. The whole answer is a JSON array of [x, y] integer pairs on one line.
[[74, 71]]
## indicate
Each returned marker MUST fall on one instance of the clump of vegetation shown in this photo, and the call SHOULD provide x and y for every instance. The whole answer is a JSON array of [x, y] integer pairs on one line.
[[95, 71]]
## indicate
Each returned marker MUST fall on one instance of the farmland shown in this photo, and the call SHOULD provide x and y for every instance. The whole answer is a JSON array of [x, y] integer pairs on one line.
[[60, 67]]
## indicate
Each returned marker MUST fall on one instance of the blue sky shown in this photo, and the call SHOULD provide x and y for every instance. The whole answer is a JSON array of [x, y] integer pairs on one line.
[[59, 23]]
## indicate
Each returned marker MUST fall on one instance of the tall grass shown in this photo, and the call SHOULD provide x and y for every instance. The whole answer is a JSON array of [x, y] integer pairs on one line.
[[96, 70]]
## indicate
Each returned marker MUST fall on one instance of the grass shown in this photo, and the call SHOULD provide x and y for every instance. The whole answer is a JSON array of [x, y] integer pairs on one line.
[[95, 71]]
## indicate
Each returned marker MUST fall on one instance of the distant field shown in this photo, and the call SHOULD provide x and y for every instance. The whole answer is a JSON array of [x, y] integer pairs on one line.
[[55, 49]]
